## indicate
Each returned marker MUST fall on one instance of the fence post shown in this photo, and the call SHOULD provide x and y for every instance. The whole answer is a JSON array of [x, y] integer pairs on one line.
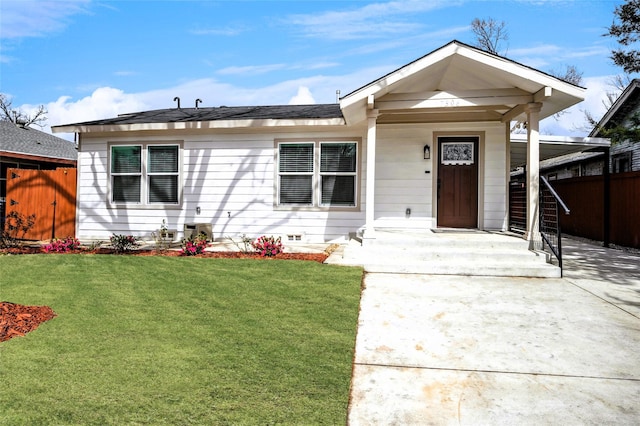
[[606, 212]]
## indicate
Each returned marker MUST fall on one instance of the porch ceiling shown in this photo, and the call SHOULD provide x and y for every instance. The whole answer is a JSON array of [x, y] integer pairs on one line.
[[552, 146]]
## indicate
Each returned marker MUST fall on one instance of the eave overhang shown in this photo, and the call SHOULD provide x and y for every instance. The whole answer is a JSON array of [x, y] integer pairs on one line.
[[198, 125]]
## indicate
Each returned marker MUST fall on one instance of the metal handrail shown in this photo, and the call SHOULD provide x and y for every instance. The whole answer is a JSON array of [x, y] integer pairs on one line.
[[547, 228], [555, 195]]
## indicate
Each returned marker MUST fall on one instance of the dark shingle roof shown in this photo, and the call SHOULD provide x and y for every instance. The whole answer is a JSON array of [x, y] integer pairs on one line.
[[177, 115], [34, 142]]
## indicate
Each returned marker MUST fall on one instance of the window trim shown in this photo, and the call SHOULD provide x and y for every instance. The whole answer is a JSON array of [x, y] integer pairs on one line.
[[144, 176], [317, 175], [621, 157]]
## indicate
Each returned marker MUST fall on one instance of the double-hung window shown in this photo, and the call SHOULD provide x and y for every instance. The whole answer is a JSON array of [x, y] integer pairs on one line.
[[145, 174], [318, 173]]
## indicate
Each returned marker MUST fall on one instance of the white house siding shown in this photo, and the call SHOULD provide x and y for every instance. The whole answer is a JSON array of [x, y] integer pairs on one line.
[[633, 148], [495, 178], [402, 181], [229, 176]]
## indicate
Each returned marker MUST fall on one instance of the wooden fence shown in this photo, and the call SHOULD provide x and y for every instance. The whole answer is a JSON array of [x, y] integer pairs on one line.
[[585, 197], [48, 195]]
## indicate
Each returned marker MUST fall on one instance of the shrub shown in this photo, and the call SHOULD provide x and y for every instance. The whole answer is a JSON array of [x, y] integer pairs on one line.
[[16, 226], [268, 246], [246, 243], [161, 238], [194, 245], [123, 243], [62, 245]]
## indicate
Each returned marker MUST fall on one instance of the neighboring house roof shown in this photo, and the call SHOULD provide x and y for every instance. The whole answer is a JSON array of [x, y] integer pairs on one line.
[[562, 160], [264, 115], [627, 102], [26, 141]]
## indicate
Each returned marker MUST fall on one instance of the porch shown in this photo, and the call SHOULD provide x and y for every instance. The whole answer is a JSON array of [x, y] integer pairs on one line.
[[447, 252]]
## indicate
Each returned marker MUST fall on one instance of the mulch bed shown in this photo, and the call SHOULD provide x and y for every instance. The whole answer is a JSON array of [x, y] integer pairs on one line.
[[314, 257], [18, 320]]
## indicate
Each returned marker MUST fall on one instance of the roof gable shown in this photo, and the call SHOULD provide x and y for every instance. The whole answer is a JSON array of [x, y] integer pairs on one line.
[[627, 104], [460, 69]]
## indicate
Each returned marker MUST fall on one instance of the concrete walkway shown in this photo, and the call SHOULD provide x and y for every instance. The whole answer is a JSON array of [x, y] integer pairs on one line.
[[435, 349]]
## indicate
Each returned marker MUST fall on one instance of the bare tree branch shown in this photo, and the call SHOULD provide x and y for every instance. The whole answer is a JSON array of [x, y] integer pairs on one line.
[[489, 34], [8, 113]]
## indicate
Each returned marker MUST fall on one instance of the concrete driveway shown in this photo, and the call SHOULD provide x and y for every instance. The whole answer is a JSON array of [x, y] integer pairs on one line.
[[435, 349]]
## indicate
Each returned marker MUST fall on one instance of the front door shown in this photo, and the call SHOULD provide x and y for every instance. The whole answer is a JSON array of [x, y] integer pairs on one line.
[[458, 181]]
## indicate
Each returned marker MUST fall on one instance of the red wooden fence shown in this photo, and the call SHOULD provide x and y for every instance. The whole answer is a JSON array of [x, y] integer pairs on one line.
[[585, 198], [50, 195]]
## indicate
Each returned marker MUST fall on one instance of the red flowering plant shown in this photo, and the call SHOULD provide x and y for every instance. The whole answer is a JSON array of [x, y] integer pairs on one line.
[[194, 246], [64, 245], [268, 246]]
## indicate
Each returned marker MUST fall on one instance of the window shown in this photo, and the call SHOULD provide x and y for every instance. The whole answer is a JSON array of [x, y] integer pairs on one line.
[[317, 174], [338, 174], [621, 162], [145, 174]]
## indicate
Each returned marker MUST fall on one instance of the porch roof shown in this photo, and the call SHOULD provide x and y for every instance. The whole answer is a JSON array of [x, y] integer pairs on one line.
[[553, 146], [460, 83]]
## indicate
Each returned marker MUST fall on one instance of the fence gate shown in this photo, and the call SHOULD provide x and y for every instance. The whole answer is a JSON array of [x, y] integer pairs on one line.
[[49, 195]]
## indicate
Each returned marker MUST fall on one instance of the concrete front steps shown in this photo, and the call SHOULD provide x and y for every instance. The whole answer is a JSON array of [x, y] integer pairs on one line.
[[447, 253]]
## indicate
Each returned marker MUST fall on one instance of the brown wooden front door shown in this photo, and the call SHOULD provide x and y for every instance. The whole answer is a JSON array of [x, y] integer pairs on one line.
[[458, 182]]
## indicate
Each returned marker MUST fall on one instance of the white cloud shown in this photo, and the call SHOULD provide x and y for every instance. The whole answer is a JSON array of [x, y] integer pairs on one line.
[[227, 31], [372, 20], [125, 73], [541, 56], [251, 69], [107, 102], [31, 18], [303, 97]]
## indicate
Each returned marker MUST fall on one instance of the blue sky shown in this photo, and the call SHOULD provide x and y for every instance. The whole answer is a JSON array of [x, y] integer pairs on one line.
[[86, 59]]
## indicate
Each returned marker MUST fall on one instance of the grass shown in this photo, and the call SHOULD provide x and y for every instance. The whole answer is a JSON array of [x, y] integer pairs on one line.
[[162, 340]]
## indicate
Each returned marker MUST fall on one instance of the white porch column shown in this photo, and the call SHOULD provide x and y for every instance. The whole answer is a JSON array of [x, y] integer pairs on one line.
[[372, 116], [507, 174], [533, 174]]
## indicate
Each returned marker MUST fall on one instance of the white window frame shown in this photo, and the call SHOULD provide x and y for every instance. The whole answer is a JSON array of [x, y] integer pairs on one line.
[[144, 175], [316, 186]]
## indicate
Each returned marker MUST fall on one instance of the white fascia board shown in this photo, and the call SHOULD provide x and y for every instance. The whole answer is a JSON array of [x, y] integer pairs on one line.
[[195, 125], [564, 140], [521, 71]]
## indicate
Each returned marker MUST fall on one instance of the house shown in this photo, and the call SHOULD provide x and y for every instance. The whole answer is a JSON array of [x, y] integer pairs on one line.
[[427, 145], [27, 148], [624, 156]]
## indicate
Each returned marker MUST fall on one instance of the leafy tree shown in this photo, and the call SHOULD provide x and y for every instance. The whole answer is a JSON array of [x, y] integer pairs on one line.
[[626, 29], [8, 113], [489, 34], [619, 133]]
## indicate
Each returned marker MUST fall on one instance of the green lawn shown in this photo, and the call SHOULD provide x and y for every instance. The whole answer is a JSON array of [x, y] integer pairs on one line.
[[165, 340]]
